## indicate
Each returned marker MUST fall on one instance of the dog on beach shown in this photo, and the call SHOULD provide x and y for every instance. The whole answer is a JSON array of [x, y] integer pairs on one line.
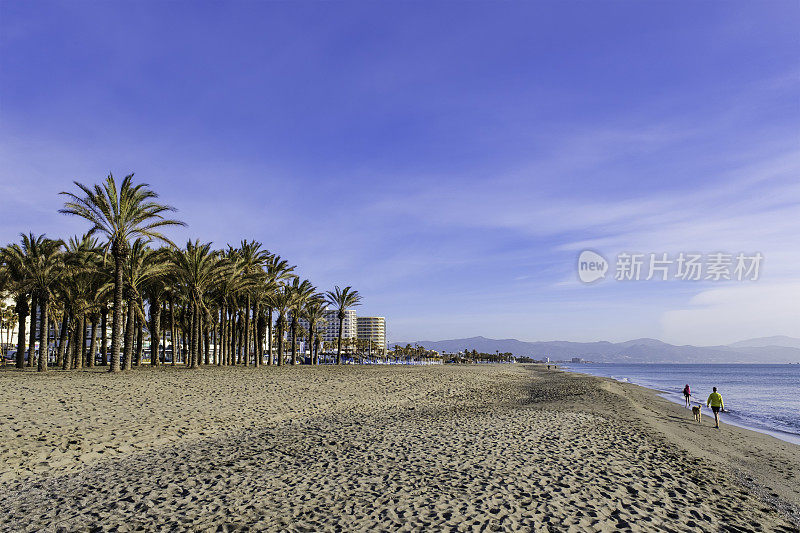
[[696, 412]]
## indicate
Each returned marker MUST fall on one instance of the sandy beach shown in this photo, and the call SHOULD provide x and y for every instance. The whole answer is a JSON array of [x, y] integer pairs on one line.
[[453, 448]]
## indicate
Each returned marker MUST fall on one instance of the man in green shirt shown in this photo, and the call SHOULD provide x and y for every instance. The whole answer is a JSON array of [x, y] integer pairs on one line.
[[715, 402]]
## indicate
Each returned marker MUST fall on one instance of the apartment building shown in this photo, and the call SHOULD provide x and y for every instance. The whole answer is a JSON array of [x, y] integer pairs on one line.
[[372, 328]]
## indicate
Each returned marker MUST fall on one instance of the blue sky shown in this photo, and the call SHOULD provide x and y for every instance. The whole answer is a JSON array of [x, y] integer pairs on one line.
[[449, 160]]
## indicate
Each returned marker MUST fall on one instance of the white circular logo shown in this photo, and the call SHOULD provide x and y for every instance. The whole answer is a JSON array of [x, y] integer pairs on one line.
[[591, 266]]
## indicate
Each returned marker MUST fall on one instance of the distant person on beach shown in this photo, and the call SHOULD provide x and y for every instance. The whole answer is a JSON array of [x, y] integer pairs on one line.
[[687, 393], [716, 404]]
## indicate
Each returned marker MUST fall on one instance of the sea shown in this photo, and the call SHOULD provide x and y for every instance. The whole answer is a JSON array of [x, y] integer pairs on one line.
[[763, 398]]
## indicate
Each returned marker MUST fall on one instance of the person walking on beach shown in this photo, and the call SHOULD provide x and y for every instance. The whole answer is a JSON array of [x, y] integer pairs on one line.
[[687, 393], [715, 402]]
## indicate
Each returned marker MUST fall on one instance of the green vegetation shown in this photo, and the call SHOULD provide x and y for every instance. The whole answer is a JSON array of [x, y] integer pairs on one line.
[[197, 305]]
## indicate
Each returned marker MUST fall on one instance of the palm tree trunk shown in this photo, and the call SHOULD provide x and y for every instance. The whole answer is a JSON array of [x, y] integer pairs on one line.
[[193, 339], [280, 341], [223, 347], [241, 349], [258, 353], [224, 328], [234, 338], [93, 342], [104, 336], [226, 338], [173, 330], [236, 324], [270, 360], [184, 347], [190, 356], [237, 336], [189, 339], [127, 355], [65, 363], [247, 321], [62, 341], [32, 336], [240, 332], [339, 346], [231, 330], [216, 335], [44, 337], [234, 355], [207, 345], [163, 334], [198, 337], [200, 327], [229, 326], [294, 340], [80, 344], [155, 330], [75, 353], [116, 321], [311, 343], [22, 312], [139, 340], [69, 357]]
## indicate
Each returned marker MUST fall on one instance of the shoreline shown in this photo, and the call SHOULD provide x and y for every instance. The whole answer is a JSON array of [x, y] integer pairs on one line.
[[791, 438], [765, 464], [728, 419], [504, 447]]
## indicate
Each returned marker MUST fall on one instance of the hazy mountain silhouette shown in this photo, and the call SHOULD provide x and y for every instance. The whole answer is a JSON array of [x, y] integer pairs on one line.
[[778, 340], [633, 351]]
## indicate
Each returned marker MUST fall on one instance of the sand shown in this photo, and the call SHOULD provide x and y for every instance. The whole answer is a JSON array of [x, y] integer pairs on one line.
[[470, 448]]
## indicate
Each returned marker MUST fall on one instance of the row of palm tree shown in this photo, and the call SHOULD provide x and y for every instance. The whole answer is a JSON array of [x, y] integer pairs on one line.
[[416, 353], [8, 321], [239, 300]]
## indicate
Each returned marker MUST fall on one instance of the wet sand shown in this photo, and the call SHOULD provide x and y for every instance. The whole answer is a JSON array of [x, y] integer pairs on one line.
[[489, 447]]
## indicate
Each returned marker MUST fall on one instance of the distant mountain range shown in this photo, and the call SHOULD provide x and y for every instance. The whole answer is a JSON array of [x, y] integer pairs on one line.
[[780, 349], [763, 342]]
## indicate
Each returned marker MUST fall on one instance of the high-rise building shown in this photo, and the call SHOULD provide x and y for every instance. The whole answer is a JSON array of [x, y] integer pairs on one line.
[[330, 331], [373, 328], [355, 327]]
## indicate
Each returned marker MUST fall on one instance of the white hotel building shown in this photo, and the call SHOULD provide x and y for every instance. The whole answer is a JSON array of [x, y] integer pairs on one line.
[[354, 327], [330, 331], [373, 328]]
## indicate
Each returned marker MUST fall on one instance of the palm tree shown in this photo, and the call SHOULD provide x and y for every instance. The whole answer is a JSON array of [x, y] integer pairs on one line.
[[142, 266], [9, 320], [239, 283], [77, 289], [342, 299], [281, 301], [301, 293], [85, 288], [15, 283], [314, 313], [6, 314], [35, 267], [228, 288], [253, 258], [197, 270], [120, 214], [278, 272], [156, 288], [45, 274]]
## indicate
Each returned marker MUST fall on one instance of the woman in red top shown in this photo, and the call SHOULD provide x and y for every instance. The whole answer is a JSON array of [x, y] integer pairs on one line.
[[687, 392]]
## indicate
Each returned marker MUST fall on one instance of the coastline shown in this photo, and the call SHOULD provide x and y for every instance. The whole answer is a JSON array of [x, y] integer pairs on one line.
[[764, 463], [504, 447], [676, 398]]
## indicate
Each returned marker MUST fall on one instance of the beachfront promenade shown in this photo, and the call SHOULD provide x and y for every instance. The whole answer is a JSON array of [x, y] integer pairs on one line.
[[462, 448]]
